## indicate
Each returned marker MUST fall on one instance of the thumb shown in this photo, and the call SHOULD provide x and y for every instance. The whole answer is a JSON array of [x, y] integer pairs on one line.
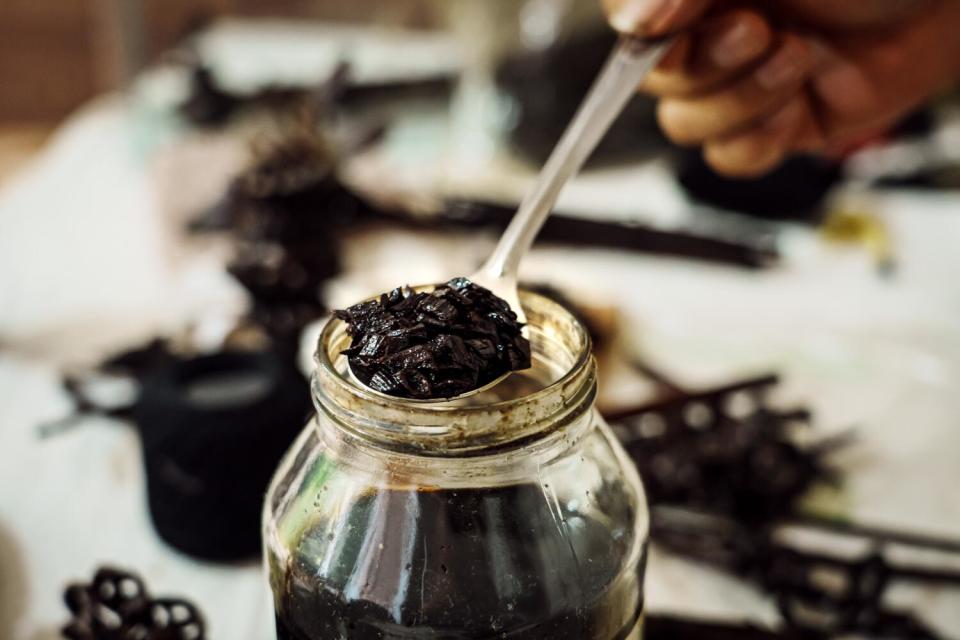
[[651, 18]]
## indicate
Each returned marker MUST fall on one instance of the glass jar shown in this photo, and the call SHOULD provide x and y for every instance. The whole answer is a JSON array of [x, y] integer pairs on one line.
[[512, 514]]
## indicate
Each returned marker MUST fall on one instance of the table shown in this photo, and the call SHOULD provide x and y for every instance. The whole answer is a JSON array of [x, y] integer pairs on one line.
[[91, 259]]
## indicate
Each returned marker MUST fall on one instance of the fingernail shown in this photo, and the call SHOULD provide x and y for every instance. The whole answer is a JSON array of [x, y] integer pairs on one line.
[[735, 47], [785, 67], [637, 16]]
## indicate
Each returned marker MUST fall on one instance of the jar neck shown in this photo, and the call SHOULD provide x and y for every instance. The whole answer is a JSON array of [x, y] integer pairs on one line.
[[542, 407]]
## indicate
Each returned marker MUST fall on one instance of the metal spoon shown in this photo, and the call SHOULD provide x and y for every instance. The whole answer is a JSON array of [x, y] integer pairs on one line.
[[625, 69]]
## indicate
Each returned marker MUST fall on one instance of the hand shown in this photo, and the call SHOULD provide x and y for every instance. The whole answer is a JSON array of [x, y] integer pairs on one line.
[[754, 81]]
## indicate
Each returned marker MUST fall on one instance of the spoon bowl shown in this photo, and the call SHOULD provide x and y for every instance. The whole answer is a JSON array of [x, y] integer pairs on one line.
[[457, 398]]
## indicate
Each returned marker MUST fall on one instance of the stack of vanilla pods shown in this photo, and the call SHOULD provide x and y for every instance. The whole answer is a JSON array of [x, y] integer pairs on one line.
[[285, 212], [725, 474], [285, 250]]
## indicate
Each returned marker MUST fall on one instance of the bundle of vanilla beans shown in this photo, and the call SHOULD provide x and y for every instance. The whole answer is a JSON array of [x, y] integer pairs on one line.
[[725, 475]]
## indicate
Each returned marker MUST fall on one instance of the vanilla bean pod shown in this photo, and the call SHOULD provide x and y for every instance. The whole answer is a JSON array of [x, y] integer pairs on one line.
[[115, 605], [209, 104], [751, 251], [725, 450], [817, 591]]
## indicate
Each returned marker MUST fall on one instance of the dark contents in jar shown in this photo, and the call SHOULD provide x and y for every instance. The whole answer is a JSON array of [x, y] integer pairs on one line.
[[431, 345], [488, 563]]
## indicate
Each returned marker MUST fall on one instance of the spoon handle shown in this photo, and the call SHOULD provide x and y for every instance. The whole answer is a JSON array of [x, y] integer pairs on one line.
[[623, 72]]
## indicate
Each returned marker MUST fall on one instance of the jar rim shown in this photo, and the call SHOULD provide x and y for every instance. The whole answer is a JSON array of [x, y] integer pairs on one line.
[[446, 427]]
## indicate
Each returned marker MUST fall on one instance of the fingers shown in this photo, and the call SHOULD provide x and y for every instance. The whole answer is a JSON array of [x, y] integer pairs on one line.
[[865, 83], [762, 148], [715, 53], [651, 18], [729, 83], [734, 39], [737, 106]]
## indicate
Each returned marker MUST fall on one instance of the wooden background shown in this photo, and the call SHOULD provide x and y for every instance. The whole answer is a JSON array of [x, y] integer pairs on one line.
[[54, 54]]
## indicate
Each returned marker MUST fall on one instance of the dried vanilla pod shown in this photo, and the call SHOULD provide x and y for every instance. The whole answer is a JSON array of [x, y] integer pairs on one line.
[[751, 248], [117, 606], [207, 104], [724, 473], [725, 450], [141, 358], [440, 344], [821, 592], [131, 363], [287, 211], [293, 164]]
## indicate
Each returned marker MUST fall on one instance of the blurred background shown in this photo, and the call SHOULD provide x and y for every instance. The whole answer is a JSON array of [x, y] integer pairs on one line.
[[58, 56], [189, 179]]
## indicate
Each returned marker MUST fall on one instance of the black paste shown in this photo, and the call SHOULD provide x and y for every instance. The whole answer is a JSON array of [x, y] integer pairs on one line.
[[434, 345]]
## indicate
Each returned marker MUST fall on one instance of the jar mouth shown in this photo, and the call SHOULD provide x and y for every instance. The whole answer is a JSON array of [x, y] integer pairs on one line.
[[526, 405]]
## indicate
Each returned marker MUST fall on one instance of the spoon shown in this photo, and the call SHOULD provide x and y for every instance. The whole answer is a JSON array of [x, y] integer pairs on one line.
[[632, 59]]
